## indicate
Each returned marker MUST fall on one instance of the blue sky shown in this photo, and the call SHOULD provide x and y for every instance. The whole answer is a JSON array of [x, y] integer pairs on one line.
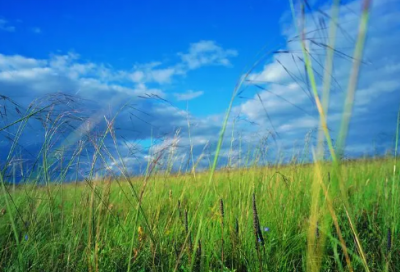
[[191, 53], [124, 33]]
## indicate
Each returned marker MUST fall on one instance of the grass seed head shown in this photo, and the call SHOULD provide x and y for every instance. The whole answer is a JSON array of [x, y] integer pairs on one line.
[[221, 208], [389, 239], [256, 223]]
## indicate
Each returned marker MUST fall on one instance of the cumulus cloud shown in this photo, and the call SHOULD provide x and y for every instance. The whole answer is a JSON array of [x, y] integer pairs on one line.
[[101, 91], [151, 72], [276, 99], [272, 72], [200, 54], [207, 53]]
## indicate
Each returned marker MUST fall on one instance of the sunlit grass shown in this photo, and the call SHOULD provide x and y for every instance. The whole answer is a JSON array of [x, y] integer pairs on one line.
[[90, 225], [333, 215]]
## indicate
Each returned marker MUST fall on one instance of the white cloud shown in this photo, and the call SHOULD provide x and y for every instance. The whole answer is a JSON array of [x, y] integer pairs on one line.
[[189, 95], [142, 90], [272, 72], [276, 99], [163, 75], [137, 76], [30, 78], [17, 62], [207, 53], [36, 73], [203, 53], [70, 74], [304, 122], [150, 72], [375, 89], [5, 26], [160, 76], [62, 61]]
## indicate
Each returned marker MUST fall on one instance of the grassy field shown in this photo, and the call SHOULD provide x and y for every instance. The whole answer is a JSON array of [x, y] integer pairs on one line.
[[328, 215], [255, 219]]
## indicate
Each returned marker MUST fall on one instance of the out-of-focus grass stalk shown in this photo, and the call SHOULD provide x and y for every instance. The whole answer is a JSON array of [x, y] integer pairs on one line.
[[329, 204], [351, 88], [346, 116], [328, 67], [357, 240], [316, 210], [348, 107], [313, 84], [312, 253]]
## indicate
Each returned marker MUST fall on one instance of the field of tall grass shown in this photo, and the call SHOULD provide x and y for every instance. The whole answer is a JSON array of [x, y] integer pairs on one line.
[[254, 219], [329, 214]]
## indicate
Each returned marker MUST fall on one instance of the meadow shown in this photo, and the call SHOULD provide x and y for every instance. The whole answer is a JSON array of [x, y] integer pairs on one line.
[[250, 219], [321, 214]]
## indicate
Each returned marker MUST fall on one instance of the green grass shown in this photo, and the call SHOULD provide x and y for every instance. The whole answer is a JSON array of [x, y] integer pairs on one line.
[[89, 226], [338, 216]]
